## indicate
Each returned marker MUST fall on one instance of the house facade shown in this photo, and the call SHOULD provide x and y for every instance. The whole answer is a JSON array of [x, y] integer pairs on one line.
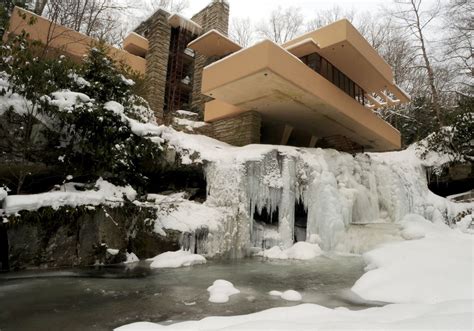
[[156, 49], [319, 90]]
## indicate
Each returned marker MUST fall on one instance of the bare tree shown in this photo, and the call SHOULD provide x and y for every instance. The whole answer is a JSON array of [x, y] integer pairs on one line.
[[415, 20], [242, 31], [100, 19], [283, 25], [174, 6], [40, 6], [459, 43], [328, 16]]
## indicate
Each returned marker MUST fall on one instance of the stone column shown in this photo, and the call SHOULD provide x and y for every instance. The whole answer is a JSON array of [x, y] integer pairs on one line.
[[158, 32], [215, 16]]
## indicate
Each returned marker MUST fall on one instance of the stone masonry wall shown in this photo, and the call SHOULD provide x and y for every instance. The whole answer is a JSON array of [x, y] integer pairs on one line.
[[241, 130], [215, 16], [158, 32]]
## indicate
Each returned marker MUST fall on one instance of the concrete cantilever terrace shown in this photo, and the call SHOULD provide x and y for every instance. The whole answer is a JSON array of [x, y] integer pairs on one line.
[[321, 85]]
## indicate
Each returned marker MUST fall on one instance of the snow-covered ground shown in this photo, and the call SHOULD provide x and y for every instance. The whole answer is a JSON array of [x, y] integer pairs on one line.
[[68, 195], [443, 316], [436, 266]]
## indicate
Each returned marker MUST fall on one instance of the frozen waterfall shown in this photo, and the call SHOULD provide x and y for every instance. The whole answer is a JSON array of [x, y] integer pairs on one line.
[[341, 196]]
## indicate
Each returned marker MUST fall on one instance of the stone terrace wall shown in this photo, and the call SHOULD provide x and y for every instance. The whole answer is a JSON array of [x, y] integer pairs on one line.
[[241, 130]]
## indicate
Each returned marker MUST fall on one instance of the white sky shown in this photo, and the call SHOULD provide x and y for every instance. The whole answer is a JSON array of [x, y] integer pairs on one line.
[[259, 9]]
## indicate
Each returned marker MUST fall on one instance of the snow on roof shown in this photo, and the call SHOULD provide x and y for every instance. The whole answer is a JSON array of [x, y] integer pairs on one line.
[[134, 34], [213, 43], [213, 31], [179, 21]]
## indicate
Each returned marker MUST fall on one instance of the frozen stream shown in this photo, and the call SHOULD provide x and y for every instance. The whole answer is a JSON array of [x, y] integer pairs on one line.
[[104, 298]]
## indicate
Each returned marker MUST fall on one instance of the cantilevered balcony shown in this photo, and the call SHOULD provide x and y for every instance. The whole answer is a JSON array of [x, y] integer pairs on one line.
[[268, 79]]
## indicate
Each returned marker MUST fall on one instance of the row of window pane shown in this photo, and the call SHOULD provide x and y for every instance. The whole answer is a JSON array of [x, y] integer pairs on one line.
[[334, 75]]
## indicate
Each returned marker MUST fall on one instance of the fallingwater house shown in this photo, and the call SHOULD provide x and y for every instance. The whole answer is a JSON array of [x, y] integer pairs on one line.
[[318, 90]]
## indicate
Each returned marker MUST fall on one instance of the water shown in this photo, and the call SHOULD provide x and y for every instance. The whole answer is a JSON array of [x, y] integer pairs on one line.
[[104, 298]]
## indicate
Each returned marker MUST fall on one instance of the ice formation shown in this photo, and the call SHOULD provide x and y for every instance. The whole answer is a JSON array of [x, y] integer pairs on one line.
[[341, 194], [276, 195]]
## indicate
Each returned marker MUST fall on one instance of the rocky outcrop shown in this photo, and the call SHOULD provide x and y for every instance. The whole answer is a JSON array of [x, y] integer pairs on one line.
[[82, 236]]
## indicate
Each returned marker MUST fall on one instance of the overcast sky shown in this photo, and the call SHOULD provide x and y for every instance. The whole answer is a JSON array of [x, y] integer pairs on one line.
[[259, 9]]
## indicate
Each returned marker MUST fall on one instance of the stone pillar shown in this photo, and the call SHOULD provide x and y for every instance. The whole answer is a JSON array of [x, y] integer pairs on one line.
[[158, 32], [240, 130], [214, 16]]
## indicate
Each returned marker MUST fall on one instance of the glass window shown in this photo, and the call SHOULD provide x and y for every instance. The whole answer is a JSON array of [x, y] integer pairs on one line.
[[324, 68], [341, 80], [330, 67]]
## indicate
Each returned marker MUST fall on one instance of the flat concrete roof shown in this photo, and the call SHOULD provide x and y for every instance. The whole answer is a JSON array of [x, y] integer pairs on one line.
[[342, 45], [303, 48], [268, 79], [214, 43], [66, 40]]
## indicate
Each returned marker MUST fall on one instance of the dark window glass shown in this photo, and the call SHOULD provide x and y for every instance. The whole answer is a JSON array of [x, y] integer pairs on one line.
[[330, 67], [334, 75], [341, 80]]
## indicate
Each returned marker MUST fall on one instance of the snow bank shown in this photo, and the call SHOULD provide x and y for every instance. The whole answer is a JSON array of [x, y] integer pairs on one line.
[[113, 251], [433, 269], [464, 224], [449, 316], [289, 295], [131, 258], [221, 290], [299, 251], [416, 227], [176, 213], [104, 193], [3, 193], [176, 259], [189, 124]]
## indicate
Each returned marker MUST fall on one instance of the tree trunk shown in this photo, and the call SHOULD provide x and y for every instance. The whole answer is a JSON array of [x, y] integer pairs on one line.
[[39, 6], [431, 79]]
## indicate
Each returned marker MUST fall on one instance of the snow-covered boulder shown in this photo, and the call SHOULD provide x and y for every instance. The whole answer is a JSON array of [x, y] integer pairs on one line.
[[221, 290], [176, 259]]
